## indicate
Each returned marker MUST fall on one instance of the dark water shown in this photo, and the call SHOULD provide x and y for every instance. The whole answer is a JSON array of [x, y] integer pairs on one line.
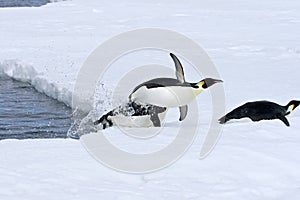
[[26, 113], [23, 3]]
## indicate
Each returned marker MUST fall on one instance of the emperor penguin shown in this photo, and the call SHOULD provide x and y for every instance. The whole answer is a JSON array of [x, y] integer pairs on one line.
[[262, 110], [133, 115], [171, 92]]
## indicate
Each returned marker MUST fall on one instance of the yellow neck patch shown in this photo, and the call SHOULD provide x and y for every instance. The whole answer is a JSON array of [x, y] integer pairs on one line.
[[200, 89], [291, 108], [200, 84]]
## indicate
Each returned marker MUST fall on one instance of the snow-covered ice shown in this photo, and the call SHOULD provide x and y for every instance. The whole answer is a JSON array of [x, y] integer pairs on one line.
[[255, 46]]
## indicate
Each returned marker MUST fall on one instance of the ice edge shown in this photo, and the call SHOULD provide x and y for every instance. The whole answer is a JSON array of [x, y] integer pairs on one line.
[[19, 71]]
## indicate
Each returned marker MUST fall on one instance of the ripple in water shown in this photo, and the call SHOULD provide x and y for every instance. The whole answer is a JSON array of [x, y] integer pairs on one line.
[[26, 113]]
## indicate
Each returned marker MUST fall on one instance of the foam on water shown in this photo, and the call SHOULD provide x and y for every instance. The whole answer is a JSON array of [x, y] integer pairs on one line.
[[26, 73]]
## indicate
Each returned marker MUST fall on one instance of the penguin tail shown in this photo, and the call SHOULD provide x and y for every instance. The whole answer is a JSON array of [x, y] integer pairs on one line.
[[223, 120]]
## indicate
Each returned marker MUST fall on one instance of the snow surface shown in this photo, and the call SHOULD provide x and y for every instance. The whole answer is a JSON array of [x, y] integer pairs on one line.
[[255, 46]]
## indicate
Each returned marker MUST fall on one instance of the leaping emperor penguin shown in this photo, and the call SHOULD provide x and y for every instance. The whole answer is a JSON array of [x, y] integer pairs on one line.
[[170, 92]]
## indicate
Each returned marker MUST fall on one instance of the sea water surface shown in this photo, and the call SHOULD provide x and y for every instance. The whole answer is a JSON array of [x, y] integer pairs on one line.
[[23, 3], [25, 113]]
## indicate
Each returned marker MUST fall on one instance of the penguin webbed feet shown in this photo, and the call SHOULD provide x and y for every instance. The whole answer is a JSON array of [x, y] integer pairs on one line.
[[104, 120]]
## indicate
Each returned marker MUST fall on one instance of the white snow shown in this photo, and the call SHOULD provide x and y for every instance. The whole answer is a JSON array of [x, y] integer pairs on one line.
[[255, 46]]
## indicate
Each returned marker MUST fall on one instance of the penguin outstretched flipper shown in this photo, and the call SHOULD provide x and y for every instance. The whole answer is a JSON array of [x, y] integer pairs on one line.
[[155, 120], [183, 112], [180, 77], [283, 119], [179, 68], [154, 111]]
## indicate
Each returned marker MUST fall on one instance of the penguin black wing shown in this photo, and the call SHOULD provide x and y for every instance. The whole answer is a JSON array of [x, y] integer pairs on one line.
[[183, 112], [179, 68], [284, 120], [180, 77]]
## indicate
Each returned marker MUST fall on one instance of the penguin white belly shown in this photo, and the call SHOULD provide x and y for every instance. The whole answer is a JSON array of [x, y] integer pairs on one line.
[[171, 96]]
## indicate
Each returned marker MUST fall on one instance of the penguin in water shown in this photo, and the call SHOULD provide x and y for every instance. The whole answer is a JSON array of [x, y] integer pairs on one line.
[[170, 92], [262, 110]]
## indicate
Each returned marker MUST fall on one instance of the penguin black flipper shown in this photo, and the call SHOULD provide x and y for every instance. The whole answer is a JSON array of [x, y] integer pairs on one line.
[[183, 112], [155, 120], [179, 68], [180, 77], [283, 119]]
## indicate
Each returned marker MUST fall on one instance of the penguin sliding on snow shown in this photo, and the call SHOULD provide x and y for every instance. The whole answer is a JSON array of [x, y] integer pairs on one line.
[[170, 92], [261, 110], [133, 115]]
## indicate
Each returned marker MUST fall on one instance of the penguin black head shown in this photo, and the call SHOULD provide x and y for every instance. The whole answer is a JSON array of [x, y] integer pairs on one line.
[[292, 105], [205, 83]]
